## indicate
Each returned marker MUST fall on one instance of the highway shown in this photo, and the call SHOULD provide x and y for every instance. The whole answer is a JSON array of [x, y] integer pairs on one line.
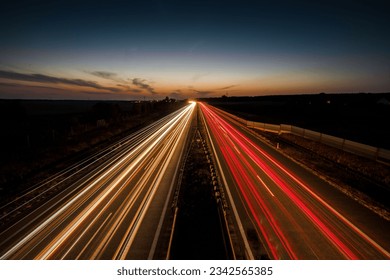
[[116, 210], [295, 214]]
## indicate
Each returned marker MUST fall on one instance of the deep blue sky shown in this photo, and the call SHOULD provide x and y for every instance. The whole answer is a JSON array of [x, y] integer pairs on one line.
[[152, 49]]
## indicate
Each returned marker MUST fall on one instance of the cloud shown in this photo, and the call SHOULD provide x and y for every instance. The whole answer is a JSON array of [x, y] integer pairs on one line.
[[108, 75], [104, 74], [128, 89], [138, 82], [177, 94], [141, 84], [22, 91], [9, 85], [94, 92], [29, 86], [41, 78], [228, 87], [203, 92], [197, 77]]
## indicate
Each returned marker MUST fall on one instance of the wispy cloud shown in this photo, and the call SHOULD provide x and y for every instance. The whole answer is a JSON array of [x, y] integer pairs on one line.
[[9, 85], [141, 84], [30, 86], [197, 77], [203, 92], [129, 89], [41, 78], [104, 74], [108, 76], [177, 94], [227, 87], [97, 93]]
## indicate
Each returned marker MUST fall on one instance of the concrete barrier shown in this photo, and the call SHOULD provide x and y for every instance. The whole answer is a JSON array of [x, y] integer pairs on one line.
[[335, 142]]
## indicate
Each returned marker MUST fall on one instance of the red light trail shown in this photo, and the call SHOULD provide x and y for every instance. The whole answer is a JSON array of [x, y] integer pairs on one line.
[[293, 221]]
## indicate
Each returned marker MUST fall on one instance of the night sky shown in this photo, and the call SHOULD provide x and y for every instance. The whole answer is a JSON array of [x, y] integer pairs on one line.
[[126, 50]]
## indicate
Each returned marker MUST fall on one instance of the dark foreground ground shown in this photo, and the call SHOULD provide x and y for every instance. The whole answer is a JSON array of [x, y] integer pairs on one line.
[[40, 137]]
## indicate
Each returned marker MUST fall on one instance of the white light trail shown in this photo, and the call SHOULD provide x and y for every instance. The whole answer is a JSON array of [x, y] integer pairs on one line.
[[128, 179]]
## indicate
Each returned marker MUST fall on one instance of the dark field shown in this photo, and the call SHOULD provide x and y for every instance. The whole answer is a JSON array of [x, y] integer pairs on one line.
[[360, 117], [41, 136]]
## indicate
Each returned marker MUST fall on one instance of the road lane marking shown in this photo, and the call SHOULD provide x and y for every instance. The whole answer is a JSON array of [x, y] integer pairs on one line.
[[264, 184]]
